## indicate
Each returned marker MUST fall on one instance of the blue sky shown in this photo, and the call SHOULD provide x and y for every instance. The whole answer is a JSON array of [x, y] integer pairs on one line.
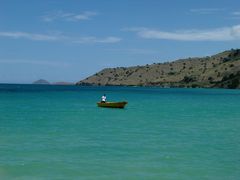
[[69, 40]]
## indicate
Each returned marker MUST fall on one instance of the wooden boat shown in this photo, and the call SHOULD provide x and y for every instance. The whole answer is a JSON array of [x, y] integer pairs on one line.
[[112, 104]]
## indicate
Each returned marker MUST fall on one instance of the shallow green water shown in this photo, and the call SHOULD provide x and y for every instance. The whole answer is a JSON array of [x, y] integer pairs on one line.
[[57, 132]]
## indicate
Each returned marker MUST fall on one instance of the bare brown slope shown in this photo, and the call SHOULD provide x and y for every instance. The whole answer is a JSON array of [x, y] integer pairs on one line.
[[220, 70]]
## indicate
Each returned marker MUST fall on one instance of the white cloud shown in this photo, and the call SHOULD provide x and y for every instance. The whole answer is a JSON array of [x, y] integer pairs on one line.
[[34, 62], [206, 10], [92, 39], [60, 15], [219, 34], [84, 16], [236, 13], [59, 37], [31, 36]]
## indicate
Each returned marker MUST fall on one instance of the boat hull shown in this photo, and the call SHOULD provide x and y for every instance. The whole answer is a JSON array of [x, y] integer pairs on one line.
[[112, 104]]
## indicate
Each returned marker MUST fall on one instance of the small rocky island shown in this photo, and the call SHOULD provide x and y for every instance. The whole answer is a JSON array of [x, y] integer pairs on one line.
[[63, 83], [41, 81], [45, 82], [218, 71]]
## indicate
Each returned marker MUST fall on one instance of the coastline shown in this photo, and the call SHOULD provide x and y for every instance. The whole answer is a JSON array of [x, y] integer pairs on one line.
[[218, 71]]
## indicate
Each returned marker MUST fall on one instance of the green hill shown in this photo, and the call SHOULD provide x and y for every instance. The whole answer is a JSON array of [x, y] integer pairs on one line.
[[221, 70]]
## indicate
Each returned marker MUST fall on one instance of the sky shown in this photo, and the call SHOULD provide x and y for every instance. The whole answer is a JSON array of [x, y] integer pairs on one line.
[[69, 40]]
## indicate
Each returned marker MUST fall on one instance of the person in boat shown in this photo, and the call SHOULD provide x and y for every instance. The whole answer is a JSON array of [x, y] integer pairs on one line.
[[104, 98]]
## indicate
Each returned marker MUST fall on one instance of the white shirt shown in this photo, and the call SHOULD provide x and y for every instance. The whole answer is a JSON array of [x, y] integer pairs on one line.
[[104, 98]]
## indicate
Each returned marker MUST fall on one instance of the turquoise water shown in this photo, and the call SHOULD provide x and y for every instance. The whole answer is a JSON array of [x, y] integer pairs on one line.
[[57, 132]]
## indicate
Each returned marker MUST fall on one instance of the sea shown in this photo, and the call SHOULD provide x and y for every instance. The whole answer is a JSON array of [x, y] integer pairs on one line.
[[58, 132]]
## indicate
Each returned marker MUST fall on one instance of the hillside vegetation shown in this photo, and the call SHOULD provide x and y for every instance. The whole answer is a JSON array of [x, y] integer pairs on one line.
[[221, 70]]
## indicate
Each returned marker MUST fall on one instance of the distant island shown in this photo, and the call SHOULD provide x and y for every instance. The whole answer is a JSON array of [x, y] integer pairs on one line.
[[41, 81], [45, 82], [63, 83], [218, 71]]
